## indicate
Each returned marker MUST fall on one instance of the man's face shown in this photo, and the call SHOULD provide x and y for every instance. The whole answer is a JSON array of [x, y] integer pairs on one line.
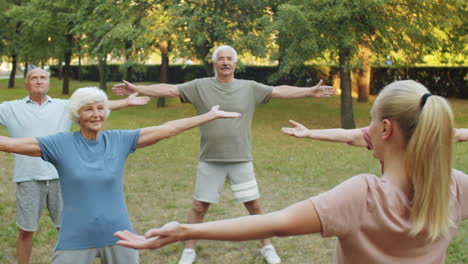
[[38, 82], [224, 64]]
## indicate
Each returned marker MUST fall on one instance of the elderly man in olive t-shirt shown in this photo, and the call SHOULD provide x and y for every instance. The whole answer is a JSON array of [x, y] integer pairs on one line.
[[225, 150]]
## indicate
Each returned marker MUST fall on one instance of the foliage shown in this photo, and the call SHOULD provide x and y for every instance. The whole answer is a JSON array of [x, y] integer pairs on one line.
[[44, 26], [308, 29], [444, 81], [201, 25]]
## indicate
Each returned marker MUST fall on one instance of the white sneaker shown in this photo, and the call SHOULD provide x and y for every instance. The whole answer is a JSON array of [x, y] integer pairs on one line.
[[188, 256], [270, 255]]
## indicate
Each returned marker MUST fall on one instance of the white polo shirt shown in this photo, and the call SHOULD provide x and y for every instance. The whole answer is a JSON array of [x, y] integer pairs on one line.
[[25, 118]]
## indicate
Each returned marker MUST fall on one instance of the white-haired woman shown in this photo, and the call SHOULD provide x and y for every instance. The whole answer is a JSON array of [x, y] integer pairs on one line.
[[409, 215], [91, 163]]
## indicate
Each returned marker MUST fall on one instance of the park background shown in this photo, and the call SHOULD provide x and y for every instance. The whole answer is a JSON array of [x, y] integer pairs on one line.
[[357, 46]]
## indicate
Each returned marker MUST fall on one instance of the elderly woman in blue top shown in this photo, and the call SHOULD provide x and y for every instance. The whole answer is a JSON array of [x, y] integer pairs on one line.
[[91, 163]]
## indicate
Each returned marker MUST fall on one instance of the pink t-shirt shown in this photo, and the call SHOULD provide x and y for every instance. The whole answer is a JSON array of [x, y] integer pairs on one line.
[[370, 218]]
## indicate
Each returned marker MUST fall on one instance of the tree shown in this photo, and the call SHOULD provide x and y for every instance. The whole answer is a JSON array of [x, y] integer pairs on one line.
[[11, 35], [47, 32], [203, 24], [160, 28], [314, 28], [111, 28]]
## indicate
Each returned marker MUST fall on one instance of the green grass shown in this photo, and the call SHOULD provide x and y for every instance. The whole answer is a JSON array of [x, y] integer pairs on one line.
[[160, 179]]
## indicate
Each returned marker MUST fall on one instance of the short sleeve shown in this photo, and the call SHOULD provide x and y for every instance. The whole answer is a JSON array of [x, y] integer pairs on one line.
[[365, 134], [461, 181], [51, 147], [188, 91], [126, 140], [4, 113], [262, 92], [342, 208]]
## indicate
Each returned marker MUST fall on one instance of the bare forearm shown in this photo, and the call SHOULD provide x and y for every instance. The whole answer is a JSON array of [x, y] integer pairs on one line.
[[158, 90], [238, 229], [151, 135], [461, 135], [24, 146], [352, 137], [298, 219], [287, 92], [118, 104], [181, 125]]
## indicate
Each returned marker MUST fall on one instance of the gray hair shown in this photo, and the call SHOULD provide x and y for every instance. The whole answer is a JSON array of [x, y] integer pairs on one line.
[[35, 70], [84, 96], [214, 57]]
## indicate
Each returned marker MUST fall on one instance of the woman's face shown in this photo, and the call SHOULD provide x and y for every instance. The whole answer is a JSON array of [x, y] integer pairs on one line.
[[92, 116]]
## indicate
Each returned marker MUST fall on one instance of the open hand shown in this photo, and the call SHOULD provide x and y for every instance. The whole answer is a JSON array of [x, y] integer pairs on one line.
[[125, 88], [298, 130], [320, 90], [222, 114], [134, 99]]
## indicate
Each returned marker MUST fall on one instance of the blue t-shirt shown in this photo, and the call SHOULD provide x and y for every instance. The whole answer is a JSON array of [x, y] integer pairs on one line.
[[91, 178]]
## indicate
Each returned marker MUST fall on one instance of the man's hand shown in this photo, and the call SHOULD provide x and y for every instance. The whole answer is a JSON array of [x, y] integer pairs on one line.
[[222, 114], [125, 88], [133, 99], [298, 130], [320, 90]]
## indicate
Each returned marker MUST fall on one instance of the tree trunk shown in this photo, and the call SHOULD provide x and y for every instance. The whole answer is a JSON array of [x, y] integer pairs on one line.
[[60, 70], [102, 74], [347, 117], [364, 75], [26, 66], [164, 48], [202, 51], [128, 74], [14, 63], [66, 69], [80, 70]]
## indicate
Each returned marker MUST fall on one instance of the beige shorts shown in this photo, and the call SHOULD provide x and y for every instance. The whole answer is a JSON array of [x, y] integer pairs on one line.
[[211, 177]]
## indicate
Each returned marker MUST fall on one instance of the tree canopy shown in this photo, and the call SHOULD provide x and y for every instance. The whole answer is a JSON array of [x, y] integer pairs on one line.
[[290, 32]]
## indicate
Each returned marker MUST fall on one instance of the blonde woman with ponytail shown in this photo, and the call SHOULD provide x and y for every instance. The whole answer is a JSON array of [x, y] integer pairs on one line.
[[409, 215]]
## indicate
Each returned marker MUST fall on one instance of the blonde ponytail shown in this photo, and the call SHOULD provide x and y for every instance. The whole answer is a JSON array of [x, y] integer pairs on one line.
[[428, 128]]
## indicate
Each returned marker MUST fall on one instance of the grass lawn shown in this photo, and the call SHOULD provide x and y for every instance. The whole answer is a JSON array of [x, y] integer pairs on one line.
[[159, 180]]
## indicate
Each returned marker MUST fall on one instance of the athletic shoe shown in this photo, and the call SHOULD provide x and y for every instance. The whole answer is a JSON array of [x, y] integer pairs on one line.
[[188, 256], [270, 255]]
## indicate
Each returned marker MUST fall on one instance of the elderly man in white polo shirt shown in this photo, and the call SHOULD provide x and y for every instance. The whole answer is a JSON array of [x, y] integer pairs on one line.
[[36, 180]]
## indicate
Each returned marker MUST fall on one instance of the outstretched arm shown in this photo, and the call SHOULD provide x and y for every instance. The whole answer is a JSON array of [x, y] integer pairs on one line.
[[151, 135], [287, 91], [24, 146], [298, 219], [461, 135], [131, 100], [353, 137], [161, 89]]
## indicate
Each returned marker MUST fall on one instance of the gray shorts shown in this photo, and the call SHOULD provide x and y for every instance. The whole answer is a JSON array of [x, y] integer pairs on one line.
[[212, 175], [114, 254], [31, 199]]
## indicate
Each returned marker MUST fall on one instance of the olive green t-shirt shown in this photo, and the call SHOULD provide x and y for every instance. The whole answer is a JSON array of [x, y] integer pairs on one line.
[[225, 140]]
